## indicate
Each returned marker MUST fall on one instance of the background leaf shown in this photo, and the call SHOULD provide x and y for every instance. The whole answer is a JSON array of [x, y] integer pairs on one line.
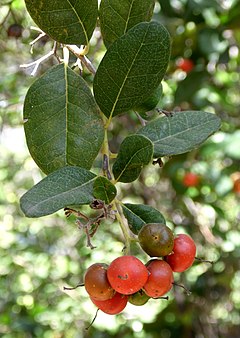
[[139, 214], [117, 17], [104, 190], [66, 21], [132, 68], [64, 187], [135, 152], [189, 87], [180, 133], [63, 125]]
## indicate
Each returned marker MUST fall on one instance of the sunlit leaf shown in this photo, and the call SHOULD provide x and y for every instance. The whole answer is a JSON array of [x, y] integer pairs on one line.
[[132, 68], [62, 121], [64, 187], [180, 133]]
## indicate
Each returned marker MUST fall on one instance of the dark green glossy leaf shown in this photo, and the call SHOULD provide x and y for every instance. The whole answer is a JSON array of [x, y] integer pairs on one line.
[[132, 68], [139, 214], [117, 17], [104, 190], [180, 133], [66, 21], [62, 121], [150, 103], [135, 152], [64, 187]]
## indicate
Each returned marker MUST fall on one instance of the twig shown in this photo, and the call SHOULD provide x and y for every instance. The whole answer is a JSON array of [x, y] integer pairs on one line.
[[76, 213], [142, 121], [159, 162], [188, 292], [106, 170], [204, 260], [78, 52], [94, 318], [41, 35], [37, 63], [73, 288], [165, 112]]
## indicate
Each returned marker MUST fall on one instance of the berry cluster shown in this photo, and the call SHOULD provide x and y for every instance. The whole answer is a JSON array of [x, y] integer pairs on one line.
[[127, 279]]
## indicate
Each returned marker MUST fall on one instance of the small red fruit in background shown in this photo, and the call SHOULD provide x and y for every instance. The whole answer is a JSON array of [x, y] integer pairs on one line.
[[190, 180], [112, 306], [236, 182], [184, 252], [127, 274], [96, 282], [185, 65], [160, 278], [15, 31], [236, 186]]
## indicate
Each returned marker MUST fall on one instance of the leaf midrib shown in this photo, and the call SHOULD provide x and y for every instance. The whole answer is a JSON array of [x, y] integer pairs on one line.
[[80, 21], [126, 77], [128, 17], [182, 132], [66, 127], [35, 207]]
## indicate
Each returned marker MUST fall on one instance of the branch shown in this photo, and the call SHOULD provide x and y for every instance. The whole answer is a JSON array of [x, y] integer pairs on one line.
[[41, 35], [37, 63], [79, 53]]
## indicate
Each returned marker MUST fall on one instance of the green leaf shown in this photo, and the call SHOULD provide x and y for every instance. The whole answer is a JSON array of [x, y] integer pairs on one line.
[[150, 103], [62, 121], [187, 89], [180, 133], [66, 21], [117, 17], [135, 152], [104, 190], [64, 187], [132, 68], [139, 214]]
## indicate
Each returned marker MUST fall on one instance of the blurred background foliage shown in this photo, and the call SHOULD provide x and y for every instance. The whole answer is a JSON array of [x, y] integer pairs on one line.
[[39, 256]]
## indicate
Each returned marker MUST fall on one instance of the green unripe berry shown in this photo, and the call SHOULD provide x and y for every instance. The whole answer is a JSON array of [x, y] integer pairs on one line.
[[156, 239], [139, 298]]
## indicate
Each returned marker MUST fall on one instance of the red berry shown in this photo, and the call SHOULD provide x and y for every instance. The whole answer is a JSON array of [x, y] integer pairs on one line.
[[236, 186], [236, 182], [184, 252], [15, 31], [127, 274], [160, 278], [96, 282], [191, 180], [112, 306], [185, 64]]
